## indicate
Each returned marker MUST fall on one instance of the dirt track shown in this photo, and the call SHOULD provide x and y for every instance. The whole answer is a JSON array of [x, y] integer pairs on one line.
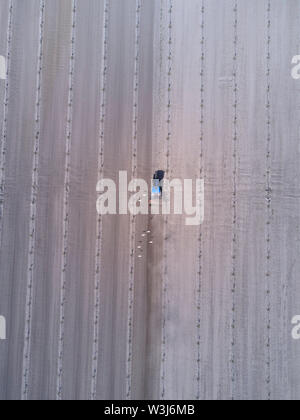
[[209, 316]]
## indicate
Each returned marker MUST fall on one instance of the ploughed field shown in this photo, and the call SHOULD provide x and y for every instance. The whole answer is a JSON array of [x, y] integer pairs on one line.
[[146, 307]]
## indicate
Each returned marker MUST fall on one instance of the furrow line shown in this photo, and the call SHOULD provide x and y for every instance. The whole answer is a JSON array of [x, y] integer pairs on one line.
[[165, 230], [234, 201], [99, 238], [132, 231], [201, 173], [5, 117], [65, 227], [33, 212], [268, 204]]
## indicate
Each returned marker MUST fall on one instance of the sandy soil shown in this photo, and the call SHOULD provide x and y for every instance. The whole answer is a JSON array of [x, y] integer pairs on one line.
[[209, 314]]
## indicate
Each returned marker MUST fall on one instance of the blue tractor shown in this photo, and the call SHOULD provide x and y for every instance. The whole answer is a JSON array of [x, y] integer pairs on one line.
[[157, 190]]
